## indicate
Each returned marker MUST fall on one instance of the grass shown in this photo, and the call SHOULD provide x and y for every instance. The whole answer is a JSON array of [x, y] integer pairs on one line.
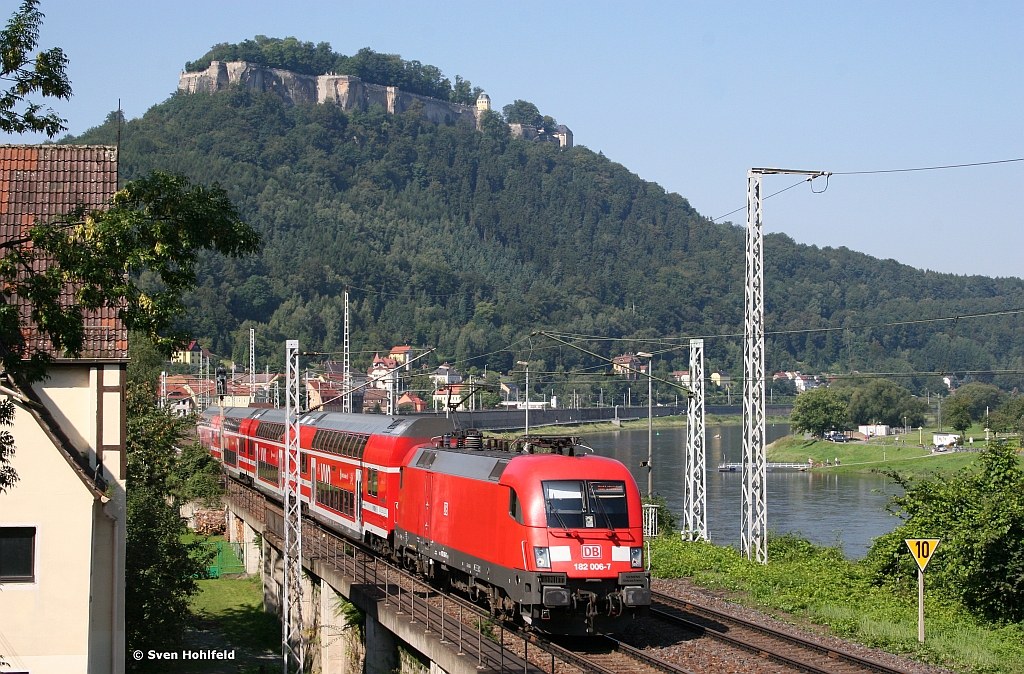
[[807, 583], [234, 606], [860, 457]]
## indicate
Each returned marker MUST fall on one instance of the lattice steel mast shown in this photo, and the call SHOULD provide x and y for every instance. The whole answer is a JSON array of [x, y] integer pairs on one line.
[[252, 364], [293, 647], [754, 513], [346, 402], [695, 515]]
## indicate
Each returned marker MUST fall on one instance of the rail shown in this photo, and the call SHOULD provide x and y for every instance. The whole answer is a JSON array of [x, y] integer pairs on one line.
[[787, 658]]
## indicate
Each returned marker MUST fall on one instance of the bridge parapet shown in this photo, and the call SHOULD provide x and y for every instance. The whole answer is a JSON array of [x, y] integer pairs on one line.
[[454, 634]]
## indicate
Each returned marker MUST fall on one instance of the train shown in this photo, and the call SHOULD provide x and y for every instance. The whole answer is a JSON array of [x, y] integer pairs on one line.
[[543, 531]]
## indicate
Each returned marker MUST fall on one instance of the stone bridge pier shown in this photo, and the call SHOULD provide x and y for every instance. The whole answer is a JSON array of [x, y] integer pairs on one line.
[[354, 624]]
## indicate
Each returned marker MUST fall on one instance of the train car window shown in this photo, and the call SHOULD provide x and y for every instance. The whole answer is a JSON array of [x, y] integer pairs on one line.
[[371, 482], [318, 440], [346, 445], [515, 507], [363, 439], [303, 462]]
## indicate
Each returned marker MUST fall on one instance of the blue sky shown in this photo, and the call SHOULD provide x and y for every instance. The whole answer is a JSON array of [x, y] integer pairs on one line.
[[688, 95]]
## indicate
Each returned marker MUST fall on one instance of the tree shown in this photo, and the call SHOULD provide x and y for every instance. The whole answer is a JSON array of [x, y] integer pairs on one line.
[[818, 410], [155, 227], [981, 397], [957, 411], [884, 402], [1009, 417], [523, 112], [45, 74]]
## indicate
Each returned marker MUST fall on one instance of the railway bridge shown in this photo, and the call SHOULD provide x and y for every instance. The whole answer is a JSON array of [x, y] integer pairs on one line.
[[437, 632]]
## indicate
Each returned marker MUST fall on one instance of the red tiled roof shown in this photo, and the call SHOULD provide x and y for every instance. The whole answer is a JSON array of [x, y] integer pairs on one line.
[[38, 182]]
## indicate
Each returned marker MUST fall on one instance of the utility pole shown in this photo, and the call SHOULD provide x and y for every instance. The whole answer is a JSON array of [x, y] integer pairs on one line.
[[163, 389], [292, 646], [252, 365], [527, 365], [346, 401], [754, 506], [696, 519], [650, 423]]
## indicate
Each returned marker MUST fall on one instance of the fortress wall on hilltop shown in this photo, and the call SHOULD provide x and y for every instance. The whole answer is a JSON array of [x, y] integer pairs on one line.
[[347, 92]]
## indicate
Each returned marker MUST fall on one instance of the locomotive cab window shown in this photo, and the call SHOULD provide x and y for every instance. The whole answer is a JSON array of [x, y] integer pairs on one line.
[[585, 504], [515, 506]]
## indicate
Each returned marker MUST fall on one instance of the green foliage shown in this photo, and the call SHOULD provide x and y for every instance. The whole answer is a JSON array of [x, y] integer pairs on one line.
[[819, 410], [522, 112], [882, 401], [195, 476], [816, 583], [354, 617], [161, 571], [667, 522], [147, 362], [981, 397], [424, 222], [956, 411], [319, 59], [44, 74], [979, 516], [235, 606], [1009, 417]]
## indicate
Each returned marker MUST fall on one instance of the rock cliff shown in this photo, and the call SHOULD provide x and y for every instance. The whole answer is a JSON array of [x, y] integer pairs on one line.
[[346, 91]]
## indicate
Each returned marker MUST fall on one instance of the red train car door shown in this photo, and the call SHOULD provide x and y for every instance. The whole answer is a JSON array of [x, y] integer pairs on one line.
[[359, 499], [428, 492]]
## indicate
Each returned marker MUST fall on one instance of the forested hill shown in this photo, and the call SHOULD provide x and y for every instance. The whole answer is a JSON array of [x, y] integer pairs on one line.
[[468, 240]]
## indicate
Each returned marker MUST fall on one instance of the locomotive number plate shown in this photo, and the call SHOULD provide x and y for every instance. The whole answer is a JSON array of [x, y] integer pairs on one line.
[[591, 552], [582, 566]]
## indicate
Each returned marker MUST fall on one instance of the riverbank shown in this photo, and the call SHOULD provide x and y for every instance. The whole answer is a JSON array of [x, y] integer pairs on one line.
[[678, 421], [862, 457], [816, 587]]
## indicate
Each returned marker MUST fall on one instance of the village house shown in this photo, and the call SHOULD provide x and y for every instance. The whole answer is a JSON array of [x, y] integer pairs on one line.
[[401, 355], [410, 402], [445, 375], [628, 366], [62, 524]]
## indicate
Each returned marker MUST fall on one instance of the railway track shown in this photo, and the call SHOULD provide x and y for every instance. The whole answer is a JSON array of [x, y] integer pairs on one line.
[[784, 648], [599, 655]]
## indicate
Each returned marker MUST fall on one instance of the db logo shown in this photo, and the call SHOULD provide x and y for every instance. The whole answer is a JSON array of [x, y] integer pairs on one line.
[[591, 552]]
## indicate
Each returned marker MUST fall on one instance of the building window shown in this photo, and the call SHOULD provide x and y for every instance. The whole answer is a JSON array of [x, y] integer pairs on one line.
[[17, 554]]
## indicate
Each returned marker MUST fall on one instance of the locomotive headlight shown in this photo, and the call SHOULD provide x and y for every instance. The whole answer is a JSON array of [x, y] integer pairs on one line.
[[542, 558], [636, 558]]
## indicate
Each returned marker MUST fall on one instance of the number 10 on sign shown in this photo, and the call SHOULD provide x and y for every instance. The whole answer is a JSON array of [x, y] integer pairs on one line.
[[922, 549]]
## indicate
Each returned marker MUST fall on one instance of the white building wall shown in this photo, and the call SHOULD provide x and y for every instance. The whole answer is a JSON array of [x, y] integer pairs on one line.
[[44, 626]]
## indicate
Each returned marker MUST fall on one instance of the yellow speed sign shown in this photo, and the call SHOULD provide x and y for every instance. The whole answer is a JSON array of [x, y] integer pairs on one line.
[[922, 549]]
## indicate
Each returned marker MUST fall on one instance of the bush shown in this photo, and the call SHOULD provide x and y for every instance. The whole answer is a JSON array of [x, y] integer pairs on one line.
[[980, 519]]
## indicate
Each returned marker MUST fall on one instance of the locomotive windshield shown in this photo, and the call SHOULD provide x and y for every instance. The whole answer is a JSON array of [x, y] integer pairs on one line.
[[586, 504]]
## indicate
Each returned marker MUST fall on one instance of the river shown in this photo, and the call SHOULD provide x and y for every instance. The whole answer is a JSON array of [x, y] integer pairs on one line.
[[823, 507]]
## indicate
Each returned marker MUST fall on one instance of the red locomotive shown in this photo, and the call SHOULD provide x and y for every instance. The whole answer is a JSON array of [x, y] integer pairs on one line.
[[544, 531]]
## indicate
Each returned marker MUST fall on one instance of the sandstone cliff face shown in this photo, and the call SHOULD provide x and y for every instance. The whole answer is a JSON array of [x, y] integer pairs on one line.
[[346, 91]]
